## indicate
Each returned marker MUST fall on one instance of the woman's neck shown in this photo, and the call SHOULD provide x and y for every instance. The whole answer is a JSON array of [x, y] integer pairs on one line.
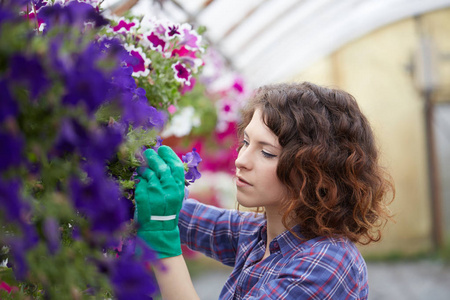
[[275, 225]]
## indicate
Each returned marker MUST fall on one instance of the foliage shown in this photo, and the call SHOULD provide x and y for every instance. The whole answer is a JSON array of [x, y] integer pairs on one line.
[[80, 100]]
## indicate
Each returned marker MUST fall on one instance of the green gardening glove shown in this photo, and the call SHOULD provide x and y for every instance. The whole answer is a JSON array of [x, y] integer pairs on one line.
[[159, 195]]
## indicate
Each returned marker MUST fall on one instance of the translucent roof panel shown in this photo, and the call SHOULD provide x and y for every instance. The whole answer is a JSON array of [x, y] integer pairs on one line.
[[272, 40]]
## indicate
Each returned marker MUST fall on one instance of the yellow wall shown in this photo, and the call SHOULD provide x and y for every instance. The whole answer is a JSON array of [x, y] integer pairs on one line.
[[376, 70]]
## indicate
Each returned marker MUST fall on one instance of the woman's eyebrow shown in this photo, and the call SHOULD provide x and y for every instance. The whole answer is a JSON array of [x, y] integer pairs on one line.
[[264, 143]]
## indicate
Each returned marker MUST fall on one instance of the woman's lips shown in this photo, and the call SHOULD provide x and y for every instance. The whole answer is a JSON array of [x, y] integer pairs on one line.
[[241, 182]]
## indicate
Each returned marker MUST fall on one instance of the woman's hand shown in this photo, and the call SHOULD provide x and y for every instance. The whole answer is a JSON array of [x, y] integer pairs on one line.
[[159, 195]]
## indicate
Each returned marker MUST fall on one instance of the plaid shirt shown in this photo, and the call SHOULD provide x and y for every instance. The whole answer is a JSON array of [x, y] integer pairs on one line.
[[321, 268]]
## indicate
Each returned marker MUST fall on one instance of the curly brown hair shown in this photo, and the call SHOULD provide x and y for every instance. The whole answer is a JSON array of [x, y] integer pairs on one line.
[[329, 161]]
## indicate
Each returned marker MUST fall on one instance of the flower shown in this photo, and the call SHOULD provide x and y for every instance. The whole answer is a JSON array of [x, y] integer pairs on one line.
[[7, 287], [11, 149], [140, 62], [19, 245], [8, 106], [155, 42], [191, 39], [52, 235], [85, 82], [98, 199], [131, 280], [182, 122], [137, 111], [158, 144], [96, 145], [74, 13], [30, 72], [12, 205], [72, 115], [183, 51], [124, 26], [192, 160], [182, 74], [172, 31], [130, 276]]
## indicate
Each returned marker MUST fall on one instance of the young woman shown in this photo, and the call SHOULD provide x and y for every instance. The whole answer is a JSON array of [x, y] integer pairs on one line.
[[308, 158]]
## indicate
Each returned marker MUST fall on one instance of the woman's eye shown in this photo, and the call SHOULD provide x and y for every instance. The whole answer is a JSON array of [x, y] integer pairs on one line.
[[244, 143], [268, 155]]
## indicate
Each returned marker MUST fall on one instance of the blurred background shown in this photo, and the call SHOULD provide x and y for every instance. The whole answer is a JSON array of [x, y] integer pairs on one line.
[[394, 57]]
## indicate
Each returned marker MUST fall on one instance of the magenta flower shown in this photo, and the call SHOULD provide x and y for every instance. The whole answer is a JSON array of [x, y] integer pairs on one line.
[[182, 74], [228, 109], [123, 26], [8, 288], [188, 87], [191, 39], [155, 42], [182, 52], [172, 31], [239, 85], [140, 62]]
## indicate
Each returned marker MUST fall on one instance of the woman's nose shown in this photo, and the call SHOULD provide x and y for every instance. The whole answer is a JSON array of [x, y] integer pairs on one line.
[[243, 161]]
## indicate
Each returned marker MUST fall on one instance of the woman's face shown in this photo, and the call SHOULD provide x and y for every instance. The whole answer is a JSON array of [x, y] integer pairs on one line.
[[257, 182]]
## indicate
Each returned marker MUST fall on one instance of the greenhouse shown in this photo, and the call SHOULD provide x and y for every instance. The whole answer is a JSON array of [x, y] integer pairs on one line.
[[213, 149]]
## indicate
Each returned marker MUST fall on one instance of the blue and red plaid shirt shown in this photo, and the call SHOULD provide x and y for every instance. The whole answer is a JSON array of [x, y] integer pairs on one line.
[[320, 268]]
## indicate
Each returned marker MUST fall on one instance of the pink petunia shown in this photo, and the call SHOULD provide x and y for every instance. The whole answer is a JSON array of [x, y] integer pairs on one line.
[[191, 39], [183, 52], [188, 87], [172, 109], [140, 67], [123, 26], [7, 287], [182, 74], [239, 84], [155, 42], [32, 16], [172, 31]]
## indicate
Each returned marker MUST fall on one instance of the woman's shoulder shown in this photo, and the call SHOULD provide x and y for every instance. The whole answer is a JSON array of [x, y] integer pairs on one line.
[[247, 221], [333, 264], [335, 252]]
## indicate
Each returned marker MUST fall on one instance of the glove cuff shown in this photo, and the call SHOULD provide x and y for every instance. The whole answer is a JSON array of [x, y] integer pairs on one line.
[[164, 243]]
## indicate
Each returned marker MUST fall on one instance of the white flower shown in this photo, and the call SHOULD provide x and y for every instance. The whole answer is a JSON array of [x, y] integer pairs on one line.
[[182, 123]]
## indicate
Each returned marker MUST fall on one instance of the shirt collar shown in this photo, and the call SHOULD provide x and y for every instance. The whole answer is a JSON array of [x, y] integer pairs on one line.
[[286, 241]]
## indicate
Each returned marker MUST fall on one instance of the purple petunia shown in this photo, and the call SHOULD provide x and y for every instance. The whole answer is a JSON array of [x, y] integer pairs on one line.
[[131, 280], [137, 111], [11, 151], [98, 199], [192, 160], [52, 234], [8, 107], [158, 144], [30, 72], [96, 145], [13, 209], [75, 14], [85, 82], [12, 206]]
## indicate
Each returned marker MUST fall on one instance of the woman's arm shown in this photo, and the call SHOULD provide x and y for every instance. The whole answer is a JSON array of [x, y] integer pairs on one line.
[[174, 280]]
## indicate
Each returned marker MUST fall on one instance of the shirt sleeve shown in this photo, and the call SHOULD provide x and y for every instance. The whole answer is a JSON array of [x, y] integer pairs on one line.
[[210, 230], [328, 272]]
